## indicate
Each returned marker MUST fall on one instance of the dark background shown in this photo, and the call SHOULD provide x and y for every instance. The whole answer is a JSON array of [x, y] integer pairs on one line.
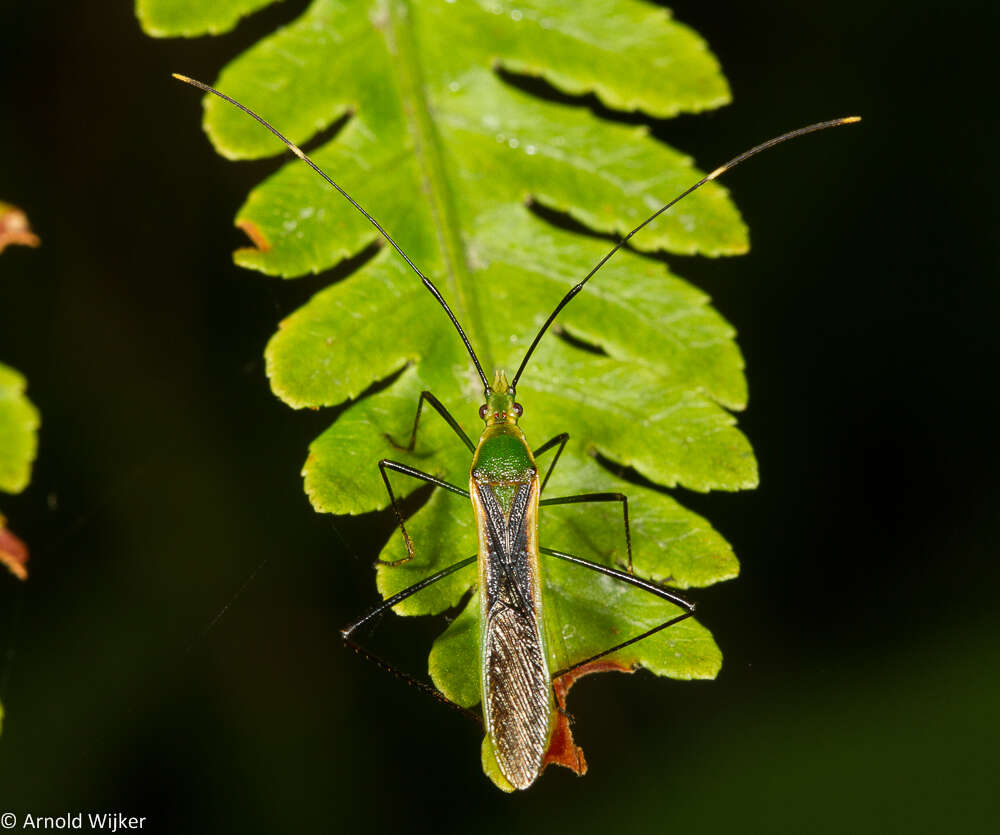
[[860, 689]]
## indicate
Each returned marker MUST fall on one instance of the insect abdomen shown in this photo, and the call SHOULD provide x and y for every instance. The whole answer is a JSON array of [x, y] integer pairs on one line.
[[516, 694]]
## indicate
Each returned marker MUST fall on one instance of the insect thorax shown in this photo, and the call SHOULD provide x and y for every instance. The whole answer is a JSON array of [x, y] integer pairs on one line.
[[503, 457]]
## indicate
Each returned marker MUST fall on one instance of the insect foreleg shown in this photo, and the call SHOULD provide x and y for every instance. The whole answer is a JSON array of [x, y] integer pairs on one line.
[[558, 439], [601, 497], [638, 582], [386, 464], [441, 410], [348, 630]]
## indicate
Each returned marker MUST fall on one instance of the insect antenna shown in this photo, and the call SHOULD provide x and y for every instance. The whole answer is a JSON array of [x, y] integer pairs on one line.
[[295, 149], [718, 172]]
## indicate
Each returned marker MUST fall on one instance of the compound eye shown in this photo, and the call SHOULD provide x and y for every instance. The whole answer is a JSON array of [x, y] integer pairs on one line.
[[517, 411], [482, 412]]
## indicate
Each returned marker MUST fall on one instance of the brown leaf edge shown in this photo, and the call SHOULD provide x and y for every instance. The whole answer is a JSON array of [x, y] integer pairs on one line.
[[257, 238], [14, 227], [13, 552], [562, 749]]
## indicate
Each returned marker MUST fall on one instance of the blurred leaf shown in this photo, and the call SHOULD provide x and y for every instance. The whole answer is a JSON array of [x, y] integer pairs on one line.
[[14, 227], [13, 552], [452, 156], [18, 437]]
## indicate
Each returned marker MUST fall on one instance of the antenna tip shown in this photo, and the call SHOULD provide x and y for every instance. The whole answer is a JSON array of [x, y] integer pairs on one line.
[[850, 120], [193, 82]]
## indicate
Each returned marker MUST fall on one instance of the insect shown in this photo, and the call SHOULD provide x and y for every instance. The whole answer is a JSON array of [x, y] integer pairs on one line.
[[519, 709]]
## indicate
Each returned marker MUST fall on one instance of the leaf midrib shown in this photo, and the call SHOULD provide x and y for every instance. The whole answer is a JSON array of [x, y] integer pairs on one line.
[[458, 287]]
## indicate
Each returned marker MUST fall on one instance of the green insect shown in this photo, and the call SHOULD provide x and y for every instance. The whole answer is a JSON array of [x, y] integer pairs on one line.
[[519, 707]]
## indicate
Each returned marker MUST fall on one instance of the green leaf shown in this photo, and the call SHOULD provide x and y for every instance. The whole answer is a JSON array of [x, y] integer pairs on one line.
[[190, 18], [18, 444], [491, 768], [452, 158], [18, 435]]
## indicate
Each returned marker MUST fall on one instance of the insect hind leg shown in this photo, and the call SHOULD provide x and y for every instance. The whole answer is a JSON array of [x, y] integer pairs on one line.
[[638, 582], [347, 632]]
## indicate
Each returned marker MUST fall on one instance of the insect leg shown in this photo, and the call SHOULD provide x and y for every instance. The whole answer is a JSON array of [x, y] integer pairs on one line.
[[601, 497], [386, 464], [441, 410], [381, 663], [638, 582], [558, 439]]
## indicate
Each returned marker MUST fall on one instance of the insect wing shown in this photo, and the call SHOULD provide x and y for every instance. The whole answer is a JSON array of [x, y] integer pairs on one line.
[[516, 685]]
